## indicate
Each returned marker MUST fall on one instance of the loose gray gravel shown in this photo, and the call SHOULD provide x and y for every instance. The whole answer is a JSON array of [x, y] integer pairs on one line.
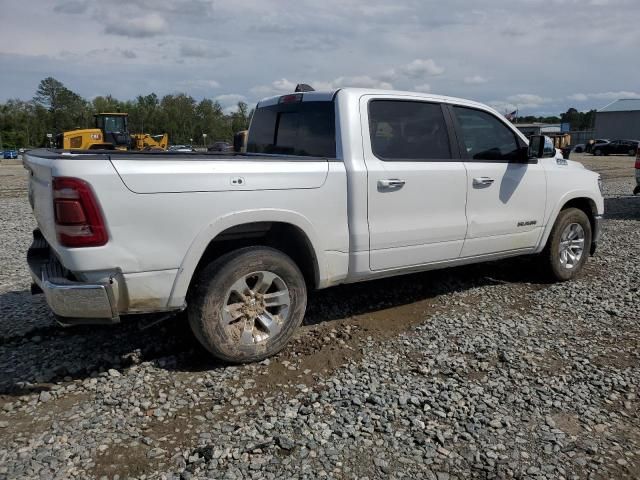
[[477, 372]]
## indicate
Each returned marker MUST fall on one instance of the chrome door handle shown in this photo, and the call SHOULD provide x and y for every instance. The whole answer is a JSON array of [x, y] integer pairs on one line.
[[482, 181], [389, 183]]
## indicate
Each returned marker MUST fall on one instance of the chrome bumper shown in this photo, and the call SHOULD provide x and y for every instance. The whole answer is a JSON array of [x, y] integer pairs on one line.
[[71, 301]]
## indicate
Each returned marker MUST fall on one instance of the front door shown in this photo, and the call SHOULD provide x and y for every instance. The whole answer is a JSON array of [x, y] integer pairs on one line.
[[506, 193], [416, 186]]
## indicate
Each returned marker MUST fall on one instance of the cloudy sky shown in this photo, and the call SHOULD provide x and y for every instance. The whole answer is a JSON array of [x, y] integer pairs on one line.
[[540, 55]]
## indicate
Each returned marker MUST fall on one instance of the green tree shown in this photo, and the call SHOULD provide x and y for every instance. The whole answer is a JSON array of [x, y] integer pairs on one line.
[[67, 109], [240, 119]]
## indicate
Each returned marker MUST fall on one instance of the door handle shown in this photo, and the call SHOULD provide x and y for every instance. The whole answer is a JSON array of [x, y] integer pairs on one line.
[[390, 183], [482, 181]]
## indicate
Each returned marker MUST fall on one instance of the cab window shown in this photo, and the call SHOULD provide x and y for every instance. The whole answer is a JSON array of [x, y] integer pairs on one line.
[[402, 130], [485, 137]]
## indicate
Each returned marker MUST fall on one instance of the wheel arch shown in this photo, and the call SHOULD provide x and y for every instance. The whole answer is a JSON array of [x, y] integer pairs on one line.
[[578, 200], [286, 231]]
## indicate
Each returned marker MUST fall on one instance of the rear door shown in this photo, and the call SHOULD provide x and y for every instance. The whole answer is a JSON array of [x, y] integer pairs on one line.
[[416, 183], [506, 192]]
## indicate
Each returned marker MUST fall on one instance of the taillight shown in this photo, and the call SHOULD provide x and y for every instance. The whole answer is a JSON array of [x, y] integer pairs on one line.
[[79, 222], [293, 98], [638, 159]]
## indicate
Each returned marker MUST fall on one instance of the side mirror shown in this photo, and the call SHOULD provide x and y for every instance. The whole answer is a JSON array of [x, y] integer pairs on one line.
[[541, 146]]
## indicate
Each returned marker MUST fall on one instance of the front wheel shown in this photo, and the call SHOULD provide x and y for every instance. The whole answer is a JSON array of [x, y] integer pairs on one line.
[[632, 152], [247, 304], [569, 244], [597, 152]]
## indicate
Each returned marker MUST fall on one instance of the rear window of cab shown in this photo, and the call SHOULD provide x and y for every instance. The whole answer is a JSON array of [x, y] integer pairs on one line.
[[305, 129]]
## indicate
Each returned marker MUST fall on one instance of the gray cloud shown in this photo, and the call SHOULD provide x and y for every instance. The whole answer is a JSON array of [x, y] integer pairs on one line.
[[75, 7], [269, 46], [149, 25], [201, 51]]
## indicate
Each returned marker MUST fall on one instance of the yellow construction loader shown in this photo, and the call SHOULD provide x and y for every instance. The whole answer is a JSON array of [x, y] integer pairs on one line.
[[111, 132]]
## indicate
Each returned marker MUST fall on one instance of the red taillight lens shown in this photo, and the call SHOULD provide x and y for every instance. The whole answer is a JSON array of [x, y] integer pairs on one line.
[[297, 97], [69, 212], [638, 159], [79, 222]]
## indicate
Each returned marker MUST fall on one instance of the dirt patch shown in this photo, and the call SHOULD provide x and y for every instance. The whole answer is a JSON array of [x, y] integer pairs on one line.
[[568, 423], [322, 348], [40, 421], [128, 460]]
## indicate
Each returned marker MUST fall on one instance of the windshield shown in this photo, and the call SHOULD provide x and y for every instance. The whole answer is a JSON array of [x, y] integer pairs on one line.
[[112, 124]]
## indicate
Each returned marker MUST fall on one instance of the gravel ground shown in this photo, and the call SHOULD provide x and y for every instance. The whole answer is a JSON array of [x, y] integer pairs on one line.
[[477, 372]]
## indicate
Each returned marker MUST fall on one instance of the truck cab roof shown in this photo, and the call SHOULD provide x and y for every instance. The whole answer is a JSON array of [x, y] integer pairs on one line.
[[329, 95]]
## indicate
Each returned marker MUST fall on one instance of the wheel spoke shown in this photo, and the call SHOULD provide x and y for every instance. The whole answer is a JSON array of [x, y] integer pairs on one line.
[[579, 243], [563, 256], [277, 299], [265, 280], [231, 313], [241, 288], [247, 333], [269, 322]]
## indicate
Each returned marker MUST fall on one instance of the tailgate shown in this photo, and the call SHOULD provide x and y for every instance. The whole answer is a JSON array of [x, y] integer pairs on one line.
[[40, 195]]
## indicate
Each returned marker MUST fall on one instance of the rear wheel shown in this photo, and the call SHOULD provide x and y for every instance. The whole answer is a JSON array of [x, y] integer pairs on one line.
[[247, 304], [632, 152], [597, 152], [569, 244]]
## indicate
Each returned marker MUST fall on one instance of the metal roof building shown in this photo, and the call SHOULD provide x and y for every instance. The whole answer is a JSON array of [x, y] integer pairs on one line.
[[619, 120]]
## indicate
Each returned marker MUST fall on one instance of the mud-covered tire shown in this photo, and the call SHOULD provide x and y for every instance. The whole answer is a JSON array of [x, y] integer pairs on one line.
[[552, 256], [210, 295]]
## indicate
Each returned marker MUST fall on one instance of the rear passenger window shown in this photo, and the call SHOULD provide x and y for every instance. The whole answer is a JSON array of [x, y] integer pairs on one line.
[[485, 137], [408, 131], [298, 128]]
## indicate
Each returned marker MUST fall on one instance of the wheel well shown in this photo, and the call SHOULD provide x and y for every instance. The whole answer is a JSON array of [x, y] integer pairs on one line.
[[587, 205], [285, 237]]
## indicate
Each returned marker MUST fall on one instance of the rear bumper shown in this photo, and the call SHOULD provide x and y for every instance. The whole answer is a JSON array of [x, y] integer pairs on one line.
[[71, 301]]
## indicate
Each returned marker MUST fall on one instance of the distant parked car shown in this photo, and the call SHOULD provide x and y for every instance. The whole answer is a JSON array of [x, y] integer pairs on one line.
[[617, 147], [9, 154], [579, 148], [591, 143], [221, 147], [181, 148]]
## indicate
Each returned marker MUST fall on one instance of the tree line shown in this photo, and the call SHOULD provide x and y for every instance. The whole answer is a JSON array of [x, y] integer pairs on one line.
[[55, 108], [579, 121]]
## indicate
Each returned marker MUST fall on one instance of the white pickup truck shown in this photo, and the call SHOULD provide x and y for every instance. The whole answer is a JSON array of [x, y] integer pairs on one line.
[[335, 187]]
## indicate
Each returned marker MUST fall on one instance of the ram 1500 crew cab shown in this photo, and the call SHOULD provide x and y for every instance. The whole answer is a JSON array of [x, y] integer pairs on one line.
[[335, 187]]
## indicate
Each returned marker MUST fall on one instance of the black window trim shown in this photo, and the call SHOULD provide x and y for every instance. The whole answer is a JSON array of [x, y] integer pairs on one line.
[[464, 155], [453, 144]]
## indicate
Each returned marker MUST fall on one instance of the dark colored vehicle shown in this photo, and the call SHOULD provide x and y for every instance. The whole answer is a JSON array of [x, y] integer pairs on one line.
[[589, 147], [220, 147], [9, 154], [636, 190], [617, 147]]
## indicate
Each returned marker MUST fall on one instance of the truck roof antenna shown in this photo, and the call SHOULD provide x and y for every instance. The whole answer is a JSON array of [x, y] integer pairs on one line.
[[303, 87]]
